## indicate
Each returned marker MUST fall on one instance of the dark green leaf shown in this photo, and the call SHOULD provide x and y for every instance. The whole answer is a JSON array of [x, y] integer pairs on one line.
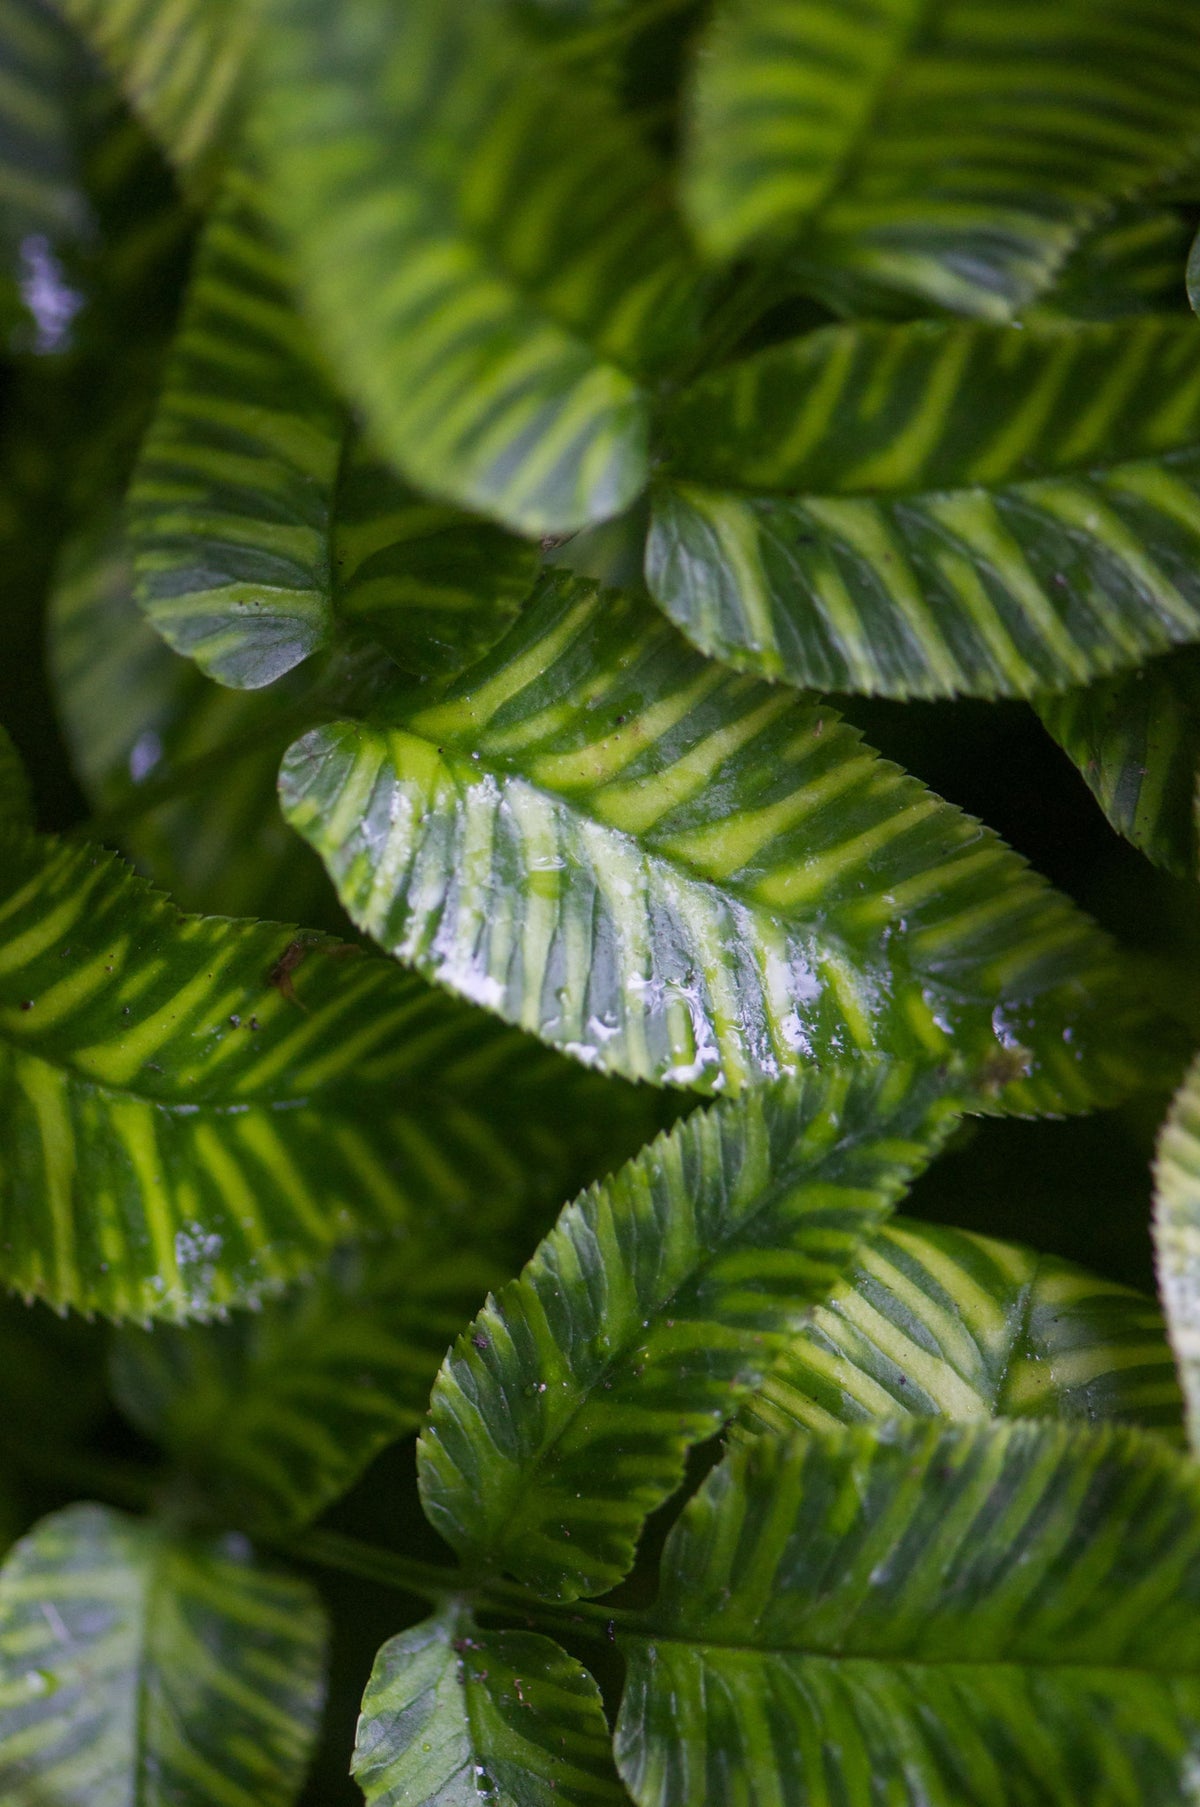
[[257, 517], [274, 1413], [932, 1321], [1177, 1238], [453, 1716], [138, 1668], [198, 1108], [1193, 274], [486, 248], [1130, 264], [955, 153], [562, 1416], [1136, 739], [923, 509], [217, 841], [1001, 1614], [16, 804], [682, 875], [179, 64]]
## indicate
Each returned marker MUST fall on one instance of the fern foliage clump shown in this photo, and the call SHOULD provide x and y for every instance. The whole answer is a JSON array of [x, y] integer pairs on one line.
[[599, 952]]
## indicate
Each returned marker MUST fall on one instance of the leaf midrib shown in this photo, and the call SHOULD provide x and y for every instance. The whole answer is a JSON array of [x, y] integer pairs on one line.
[[647, 1634]]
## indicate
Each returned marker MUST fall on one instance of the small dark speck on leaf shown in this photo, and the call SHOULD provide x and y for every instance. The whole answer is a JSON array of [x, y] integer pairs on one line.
[[26, 1003], [481, 1342], [254, 1023], [235, 1022]]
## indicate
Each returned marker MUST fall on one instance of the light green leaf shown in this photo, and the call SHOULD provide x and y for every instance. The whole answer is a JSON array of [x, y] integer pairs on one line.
[[1136, 739], [1005, 1614], [1177, 1238], [453, 1716], [486, 248], [1193, 274], [923, 509], [274, 1413], [954, 153], [1130, 264], [686, 876], [138, 1668], [43, 207], [562, 1416], [179, 64], [198, 1108], [935, 1322], [217, 841], [16, 803], [257, 517]]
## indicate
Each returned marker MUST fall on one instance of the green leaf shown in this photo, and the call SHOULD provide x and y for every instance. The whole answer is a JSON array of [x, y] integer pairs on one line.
[[923, 509], [179, 64], [257, 517], [275, 1413], [1177, 1238], [198, 1108], [43, 208], [935, 1322], [562, 1416], [485, 247], [16, 803], [137, 1667], [682, 875], [1136, 739], [1193, 274], [955, 153], [216, 841], [453, 1716], [928, 1615], [1130, 264]]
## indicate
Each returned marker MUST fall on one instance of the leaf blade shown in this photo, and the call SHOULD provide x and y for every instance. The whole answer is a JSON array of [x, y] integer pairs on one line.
[[1175, 1224], [562, 1416]]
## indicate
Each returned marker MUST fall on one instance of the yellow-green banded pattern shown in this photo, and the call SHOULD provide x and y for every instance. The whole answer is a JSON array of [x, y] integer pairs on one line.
[[135, 1667], [453, 1716], [934, 1322], [955, 152], [1136, 740], [222, 845], [924, 1616], [179, 64], [783, 92], [679, 874], [256, 516], [923, 509], [16, 804], [43, 207], [488, 253], [1177, 1238], [562, 1416], [1130, 264], [198, 1108], [274, 1413]]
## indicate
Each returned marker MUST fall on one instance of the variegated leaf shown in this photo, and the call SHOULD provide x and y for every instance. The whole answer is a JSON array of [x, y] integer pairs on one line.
[[930, 508], [1177, 1238], [682, 875]]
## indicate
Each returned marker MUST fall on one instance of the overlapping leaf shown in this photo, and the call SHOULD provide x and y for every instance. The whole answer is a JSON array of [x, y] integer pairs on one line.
[[932, 1321], [179, 64], [953, 153], [486, 248], [562, 1416], [927, 1615], [43, 208], [1130, 264], [274, 1413], [1177, 1238], [134, 1667], [216, 840], [198, 1108], [923, 509], [1136, 739], [258, 518], [678, 874], [453, 1715]]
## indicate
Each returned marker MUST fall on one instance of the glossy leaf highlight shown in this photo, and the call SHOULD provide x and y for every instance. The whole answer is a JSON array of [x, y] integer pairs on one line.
[[1177, 1238]]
